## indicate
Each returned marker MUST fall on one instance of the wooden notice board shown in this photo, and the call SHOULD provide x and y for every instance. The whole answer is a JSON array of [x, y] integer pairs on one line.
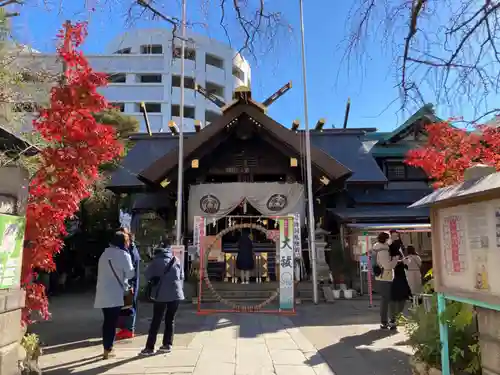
[[466, 249]]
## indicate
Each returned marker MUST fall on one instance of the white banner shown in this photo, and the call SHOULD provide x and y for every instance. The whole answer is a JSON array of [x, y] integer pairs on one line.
[[297, 237], [178, 252], [286, 263], [215, 201]]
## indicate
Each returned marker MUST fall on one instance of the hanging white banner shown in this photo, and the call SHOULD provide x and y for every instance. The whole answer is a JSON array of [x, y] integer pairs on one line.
[[178, 252]]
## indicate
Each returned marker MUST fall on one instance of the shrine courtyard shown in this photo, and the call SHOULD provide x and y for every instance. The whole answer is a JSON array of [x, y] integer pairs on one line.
[[341, 338]]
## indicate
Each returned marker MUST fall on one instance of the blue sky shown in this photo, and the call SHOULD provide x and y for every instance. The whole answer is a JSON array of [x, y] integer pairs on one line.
[[330, 79]]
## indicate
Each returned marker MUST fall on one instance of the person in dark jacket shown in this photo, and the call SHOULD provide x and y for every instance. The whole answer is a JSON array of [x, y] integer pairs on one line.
[[245, 259], [168, 294], [128, 316], [400, 289]]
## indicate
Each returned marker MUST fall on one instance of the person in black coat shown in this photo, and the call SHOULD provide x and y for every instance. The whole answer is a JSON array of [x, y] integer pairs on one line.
[[245, 259], [400, 289]]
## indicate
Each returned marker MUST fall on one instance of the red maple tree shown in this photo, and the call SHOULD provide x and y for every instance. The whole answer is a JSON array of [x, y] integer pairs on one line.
[[449, 151], [78, 145]]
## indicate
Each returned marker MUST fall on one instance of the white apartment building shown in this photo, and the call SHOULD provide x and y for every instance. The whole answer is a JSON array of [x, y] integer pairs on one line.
[[144, 66]]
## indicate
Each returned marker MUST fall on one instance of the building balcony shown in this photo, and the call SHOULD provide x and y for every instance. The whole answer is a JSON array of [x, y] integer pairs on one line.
[[189, 96], [216, 75], [135, 92], [127, 63], [189, 67]]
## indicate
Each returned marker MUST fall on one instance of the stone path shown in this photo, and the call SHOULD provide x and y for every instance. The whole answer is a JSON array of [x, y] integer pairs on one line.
[[246, 344]]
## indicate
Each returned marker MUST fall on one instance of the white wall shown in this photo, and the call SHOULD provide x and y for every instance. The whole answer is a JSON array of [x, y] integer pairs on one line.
[[133, 92]]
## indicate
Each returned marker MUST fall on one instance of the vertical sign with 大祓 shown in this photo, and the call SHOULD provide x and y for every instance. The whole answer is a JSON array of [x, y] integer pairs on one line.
[[196, 233], [286, 259], [11, 250], [297, 242]]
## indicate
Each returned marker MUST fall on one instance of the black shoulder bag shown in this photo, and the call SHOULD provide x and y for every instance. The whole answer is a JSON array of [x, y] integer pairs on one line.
[[156, 282]]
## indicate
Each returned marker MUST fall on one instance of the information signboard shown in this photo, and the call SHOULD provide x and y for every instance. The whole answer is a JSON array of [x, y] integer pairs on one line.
[[11, 250], [467, 250]]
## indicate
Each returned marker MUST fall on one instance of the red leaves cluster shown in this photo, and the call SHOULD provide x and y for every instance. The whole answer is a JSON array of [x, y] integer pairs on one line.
[[449, 151], [69, 166]]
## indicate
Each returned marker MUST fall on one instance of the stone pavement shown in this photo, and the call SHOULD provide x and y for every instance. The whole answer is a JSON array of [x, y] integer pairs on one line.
[[339, 339]]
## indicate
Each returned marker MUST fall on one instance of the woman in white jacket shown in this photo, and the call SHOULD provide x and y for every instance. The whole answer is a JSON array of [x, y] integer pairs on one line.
[[385, 264], [114, 269], [413, 274]]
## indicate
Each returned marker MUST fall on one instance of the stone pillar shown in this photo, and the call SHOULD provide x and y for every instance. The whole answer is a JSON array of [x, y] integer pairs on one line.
[[489, 340], [11, 303], [321, 263]]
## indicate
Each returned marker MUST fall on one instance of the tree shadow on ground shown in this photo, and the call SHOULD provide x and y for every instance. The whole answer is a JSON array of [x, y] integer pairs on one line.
[[354, 354], [67, 368], [76, 324]]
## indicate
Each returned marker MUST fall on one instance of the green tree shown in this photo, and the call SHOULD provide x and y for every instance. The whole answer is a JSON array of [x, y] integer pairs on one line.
[[99, 213]]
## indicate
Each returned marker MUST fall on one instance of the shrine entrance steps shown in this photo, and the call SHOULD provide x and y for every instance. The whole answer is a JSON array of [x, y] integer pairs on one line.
[[253, 293]]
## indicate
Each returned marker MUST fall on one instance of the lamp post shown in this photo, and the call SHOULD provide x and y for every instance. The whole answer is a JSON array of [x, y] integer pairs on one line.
[[310, 199]]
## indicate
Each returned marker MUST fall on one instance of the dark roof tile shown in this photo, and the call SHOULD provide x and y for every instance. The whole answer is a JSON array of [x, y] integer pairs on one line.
[[348, 150], [145, 151]]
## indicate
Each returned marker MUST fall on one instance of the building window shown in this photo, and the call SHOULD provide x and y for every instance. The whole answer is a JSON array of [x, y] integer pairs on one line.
[[398, 171], [24, 107], [117, 77], [118, 106], [211, 116], [189, 53], [149, 78], [214, 61], [238, 73], [215, 89], [152, 49], [188, 111], [123, 51], [188, 82], [150, 107]]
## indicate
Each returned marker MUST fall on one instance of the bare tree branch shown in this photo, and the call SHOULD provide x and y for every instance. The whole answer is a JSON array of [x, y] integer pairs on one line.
[[449, 49]]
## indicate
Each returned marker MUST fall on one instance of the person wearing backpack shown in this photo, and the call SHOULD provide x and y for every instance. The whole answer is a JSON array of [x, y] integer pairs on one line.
[[164, 275], [383, 271]]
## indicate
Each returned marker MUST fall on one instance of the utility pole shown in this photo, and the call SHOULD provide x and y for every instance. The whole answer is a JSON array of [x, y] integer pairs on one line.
[[310, 199], [180, 163]]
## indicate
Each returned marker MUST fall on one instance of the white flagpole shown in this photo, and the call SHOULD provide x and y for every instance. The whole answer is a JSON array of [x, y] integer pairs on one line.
[[180, 165], [310, 198]]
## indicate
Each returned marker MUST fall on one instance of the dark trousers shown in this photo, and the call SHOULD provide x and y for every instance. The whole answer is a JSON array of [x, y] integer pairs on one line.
[[389, 309], [111, 316], [169, 309]]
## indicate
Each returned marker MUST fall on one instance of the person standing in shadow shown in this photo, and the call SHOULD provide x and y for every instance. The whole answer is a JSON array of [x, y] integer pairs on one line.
[[113, 272], [383, 271], [400, 289], [245, 259], [128, 317], [166, 275]]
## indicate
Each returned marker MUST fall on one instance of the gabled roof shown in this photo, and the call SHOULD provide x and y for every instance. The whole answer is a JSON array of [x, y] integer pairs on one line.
[[426, 112], [146, 150], [157, 171]]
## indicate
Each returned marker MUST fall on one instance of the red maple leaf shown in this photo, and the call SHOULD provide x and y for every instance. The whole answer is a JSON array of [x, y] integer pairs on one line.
[[449, 151], [69, 166]]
